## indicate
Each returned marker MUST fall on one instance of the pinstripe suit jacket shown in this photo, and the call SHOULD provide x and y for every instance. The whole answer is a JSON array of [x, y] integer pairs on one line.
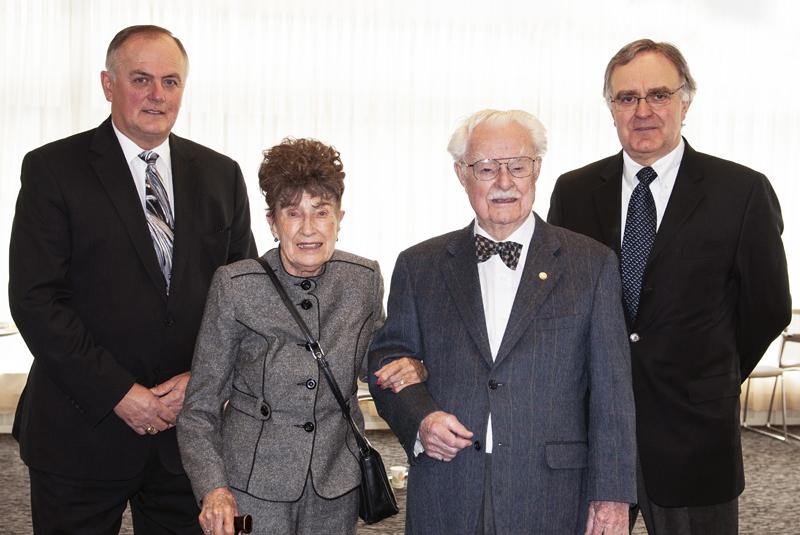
[[281, 422], [559, 389]]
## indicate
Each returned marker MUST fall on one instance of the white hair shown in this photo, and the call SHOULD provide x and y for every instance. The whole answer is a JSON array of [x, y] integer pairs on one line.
[[457, 146]]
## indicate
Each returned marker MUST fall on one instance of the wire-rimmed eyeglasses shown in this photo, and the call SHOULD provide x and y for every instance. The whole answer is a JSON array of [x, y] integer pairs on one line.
[[488, 169], [656, 99]]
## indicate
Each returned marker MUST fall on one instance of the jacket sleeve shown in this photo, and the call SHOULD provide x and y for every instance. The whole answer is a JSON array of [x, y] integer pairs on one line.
[[400, 336], [40, 292], [200, 422], [765, 305], [612, 441], [243, 245]]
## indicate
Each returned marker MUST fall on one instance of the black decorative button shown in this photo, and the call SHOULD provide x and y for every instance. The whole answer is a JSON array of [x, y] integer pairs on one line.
[[306, 285], [169, 322], [264, 410], [477, 445], [308, 427], [311, 384], [492, 384], [306, 304]]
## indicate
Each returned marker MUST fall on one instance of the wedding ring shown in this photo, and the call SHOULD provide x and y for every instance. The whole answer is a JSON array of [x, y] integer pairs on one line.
[[150, 430], [402, 381]]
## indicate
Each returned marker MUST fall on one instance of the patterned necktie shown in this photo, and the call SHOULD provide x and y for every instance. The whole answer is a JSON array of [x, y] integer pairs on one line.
[[640, 233], [159, 214], [508, 250]]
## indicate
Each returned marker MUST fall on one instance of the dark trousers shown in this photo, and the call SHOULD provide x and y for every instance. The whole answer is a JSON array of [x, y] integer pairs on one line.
[[717, 519], [486, 516], [161, 503]]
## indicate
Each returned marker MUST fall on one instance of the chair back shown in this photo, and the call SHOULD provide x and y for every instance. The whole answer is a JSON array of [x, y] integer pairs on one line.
[[789, 354]]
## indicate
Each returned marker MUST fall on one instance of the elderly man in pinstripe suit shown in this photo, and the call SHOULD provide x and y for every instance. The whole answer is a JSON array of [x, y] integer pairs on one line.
[[525, 424]]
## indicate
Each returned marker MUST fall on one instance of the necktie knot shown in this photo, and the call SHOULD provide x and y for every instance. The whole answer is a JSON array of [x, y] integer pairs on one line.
[[507, 250], [149, 157], [646, 175]]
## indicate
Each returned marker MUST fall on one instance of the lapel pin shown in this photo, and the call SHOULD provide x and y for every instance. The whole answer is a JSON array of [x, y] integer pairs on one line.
[[542, 276]]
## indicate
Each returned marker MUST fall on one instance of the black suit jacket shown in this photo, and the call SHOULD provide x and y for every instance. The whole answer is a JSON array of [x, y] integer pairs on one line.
[[90, 301], [715, 293]]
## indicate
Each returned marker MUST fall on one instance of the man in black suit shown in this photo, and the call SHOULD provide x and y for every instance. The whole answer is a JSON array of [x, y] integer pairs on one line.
[[116, 236], [705, 286]]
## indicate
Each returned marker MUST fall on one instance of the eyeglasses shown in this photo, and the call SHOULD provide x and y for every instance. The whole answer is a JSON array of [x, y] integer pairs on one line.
[[521, 167], [655, 99]]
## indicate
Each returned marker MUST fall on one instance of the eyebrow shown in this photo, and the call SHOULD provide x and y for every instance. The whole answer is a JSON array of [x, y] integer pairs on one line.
[[138, 72], [660, 89]]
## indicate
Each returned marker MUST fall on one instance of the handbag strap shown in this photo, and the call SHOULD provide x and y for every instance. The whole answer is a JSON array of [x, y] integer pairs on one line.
[[313, 346]]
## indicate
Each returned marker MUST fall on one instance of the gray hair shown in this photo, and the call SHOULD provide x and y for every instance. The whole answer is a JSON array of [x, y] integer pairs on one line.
[[131, 31], [457, 146], [668, 50]]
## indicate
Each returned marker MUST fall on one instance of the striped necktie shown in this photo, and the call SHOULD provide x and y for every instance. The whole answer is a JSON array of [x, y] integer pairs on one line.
[[158, 214], [640, 233]]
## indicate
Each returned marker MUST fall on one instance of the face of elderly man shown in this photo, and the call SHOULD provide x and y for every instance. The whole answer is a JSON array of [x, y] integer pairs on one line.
[[648, 133], [501, 205], [145, 87]]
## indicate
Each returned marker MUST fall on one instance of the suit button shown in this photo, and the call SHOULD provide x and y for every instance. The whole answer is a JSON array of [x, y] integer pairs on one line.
[[311, 384], [492, 384], [264, 410], [634, 337], [306, 304], [477, 445], [308, 427], [306, 285], [169, 322]]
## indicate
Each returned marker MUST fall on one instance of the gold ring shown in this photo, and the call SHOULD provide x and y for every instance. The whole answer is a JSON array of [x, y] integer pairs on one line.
[[150, 430]]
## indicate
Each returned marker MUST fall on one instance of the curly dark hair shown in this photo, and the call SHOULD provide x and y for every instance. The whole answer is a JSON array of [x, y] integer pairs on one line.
[[300, 165]]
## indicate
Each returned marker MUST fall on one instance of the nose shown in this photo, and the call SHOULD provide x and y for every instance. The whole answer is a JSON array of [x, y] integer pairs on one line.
[[504, 180], [643, 109], [156, 93], [307, 228]]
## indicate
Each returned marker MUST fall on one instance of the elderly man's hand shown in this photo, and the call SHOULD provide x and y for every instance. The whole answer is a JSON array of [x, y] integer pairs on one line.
[[607, 518], [443, 436], [401, 373]]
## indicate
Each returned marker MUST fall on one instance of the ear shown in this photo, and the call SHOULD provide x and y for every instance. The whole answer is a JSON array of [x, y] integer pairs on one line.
[[272, 225], [537, 168], [106, 81], [461, 172], [684, 109]]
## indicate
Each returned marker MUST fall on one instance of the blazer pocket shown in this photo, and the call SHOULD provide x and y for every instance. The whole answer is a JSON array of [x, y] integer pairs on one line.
[[715, 387], [561, 455], [217, 245]]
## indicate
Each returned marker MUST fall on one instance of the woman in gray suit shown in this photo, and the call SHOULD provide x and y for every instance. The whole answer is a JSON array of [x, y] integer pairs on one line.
[[260, 431]]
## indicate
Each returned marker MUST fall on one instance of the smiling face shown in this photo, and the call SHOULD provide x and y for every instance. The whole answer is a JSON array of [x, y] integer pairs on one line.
[[307, 231], [145, 87], [501, 205], [648, 134]]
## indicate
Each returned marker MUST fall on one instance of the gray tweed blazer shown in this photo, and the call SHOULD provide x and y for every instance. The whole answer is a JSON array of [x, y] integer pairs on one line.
[[281, 421]]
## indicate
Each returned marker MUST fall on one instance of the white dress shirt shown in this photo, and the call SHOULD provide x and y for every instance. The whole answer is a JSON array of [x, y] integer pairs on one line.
[[499, 286], [667, 170], [138, 166]]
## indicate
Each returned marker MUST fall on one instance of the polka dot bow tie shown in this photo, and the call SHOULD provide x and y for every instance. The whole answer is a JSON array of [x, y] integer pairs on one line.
[[508, 250]]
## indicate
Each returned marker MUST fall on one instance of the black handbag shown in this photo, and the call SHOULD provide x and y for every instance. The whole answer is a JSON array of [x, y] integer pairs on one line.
[[377, 500]]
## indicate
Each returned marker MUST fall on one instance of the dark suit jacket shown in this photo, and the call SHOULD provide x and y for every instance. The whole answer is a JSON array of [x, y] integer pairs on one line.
[[90, 301], [715, 293], [559, 389]]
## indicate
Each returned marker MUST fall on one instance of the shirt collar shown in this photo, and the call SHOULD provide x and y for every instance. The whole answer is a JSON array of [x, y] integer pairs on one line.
[[661, 167], [132, 151], [522, 235]]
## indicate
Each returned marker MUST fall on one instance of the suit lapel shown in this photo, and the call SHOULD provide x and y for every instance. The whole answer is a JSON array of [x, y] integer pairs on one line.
[[109, 163], [541, 274], [184, 201], [607, 200], [460, 273], [686, 195]]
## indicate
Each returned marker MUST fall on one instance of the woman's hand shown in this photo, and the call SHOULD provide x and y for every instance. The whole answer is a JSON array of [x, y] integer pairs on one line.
[[401, 373], [219, 508]]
